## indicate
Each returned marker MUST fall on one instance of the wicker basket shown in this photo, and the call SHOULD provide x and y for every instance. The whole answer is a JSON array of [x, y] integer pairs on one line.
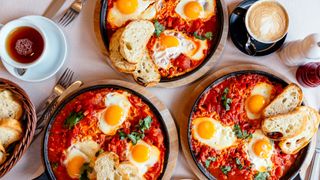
[[28, 122]]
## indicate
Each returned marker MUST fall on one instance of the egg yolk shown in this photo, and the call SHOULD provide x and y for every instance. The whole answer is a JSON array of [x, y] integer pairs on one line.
[[113, 114], [206, 129], [256, 103], [140, 153], [169, 41], [74, 166], [262, 148], [193, 9], [127, 6]]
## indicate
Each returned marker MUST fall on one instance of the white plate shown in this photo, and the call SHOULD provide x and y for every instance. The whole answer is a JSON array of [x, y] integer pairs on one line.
[[56, 58]]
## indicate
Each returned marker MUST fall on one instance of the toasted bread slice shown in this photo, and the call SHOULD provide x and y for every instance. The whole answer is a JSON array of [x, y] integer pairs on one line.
[[105, 166], [289, 99], [296, 143], [147, 73], [284, 126], [3, 154], [10, 107], [134, 40], [116, 58], [10, 131], [127, 171]]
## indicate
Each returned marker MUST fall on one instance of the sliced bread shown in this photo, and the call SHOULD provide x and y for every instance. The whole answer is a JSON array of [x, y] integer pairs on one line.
[[116, 58], [105, 166], [127, 171], [3, 154], [289, 99], [283, 126], [10, 131], [134, 40], [9, 106], [147, 73], [296, 143]]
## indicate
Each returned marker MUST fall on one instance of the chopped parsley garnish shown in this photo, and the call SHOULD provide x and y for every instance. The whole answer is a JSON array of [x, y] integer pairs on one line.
[[241, 134], [207, 35], [209, 160], [226, 101], [73, 119], [135, 136], [238, 162], [261, 176], [225, 169], [54, 165], [158, 28], [85, 171]]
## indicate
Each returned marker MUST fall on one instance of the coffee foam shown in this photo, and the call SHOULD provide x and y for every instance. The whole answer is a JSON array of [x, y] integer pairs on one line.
[[267, 21]]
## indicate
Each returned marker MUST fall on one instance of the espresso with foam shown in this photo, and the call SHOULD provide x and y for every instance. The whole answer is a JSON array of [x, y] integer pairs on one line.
[[267, 21]]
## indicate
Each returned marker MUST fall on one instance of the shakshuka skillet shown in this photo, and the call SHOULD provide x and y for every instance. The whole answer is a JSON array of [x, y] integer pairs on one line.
[[48, 174], [293, 172]]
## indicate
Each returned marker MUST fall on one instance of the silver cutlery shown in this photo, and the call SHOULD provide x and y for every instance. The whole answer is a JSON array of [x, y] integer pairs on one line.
[[53, 8], [20, 71], [315, 170], [64, 81], [72, 12]]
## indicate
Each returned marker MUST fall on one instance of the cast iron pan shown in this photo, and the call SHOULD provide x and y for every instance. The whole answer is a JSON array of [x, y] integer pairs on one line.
[[238, 32], [216, 42], [295, 168], [48, 174]]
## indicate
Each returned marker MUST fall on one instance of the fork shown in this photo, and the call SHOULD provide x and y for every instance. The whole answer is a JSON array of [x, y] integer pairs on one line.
[[72, 12], [64, 81]]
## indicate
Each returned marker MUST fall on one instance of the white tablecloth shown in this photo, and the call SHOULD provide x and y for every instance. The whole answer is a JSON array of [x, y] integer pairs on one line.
[[89, 64]]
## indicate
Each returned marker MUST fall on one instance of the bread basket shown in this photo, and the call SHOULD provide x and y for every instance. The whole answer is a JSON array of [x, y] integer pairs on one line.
[[28, 120]]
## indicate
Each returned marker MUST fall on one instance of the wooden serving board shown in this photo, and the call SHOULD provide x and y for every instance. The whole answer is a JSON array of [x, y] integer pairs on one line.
[[164, 112], [181, 82], [183, 119]]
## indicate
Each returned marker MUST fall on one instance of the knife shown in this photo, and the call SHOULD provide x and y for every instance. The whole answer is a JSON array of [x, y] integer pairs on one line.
[[315, 171], [53, 8], [53, 105]]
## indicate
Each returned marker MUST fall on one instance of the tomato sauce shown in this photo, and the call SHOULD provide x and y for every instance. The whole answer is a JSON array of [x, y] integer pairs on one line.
[[60, 138], [209, 105]]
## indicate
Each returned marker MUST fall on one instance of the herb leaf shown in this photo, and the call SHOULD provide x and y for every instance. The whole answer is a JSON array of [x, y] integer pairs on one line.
[[135, 137], [209, 160], [73, 119], [238, 162], [241, 134], [145, 124], [99, 152], [198, 36], [122, 135], [85, 171], [158, 28], [54, 165], [261, 176], [225, 169], [208, 35], [226, 101]]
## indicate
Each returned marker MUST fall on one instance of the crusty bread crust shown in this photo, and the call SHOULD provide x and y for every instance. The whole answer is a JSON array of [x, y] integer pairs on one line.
[[285, 125], [105, 166], [134, 40], [295, 144], [289, 99], [3, 154], [10, 131], [117, 60]]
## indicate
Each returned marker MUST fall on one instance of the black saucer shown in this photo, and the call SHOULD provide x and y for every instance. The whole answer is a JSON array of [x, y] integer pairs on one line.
[[239, 34]]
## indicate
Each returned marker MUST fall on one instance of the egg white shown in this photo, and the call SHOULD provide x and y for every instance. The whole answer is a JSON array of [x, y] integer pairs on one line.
[[259, 164], [114, 98], [263, 89], [221, 139], [144, 166], [189, 46], [208, 7], [146, 10]]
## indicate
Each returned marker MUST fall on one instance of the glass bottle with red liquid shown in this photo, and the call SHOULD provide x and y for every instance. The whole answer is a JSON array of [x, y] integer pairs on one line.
[[308, 75]]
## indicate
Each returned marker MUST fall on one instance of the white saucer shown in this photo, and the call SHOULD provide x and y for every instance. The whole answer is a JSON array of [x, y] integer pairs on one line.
[[56, 58]]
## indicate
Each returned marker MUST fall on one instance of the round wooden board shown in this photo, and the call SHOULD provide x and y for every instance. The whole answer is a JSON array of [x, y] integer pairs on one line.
[[164, 112], [183, 119], [184, 81]]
